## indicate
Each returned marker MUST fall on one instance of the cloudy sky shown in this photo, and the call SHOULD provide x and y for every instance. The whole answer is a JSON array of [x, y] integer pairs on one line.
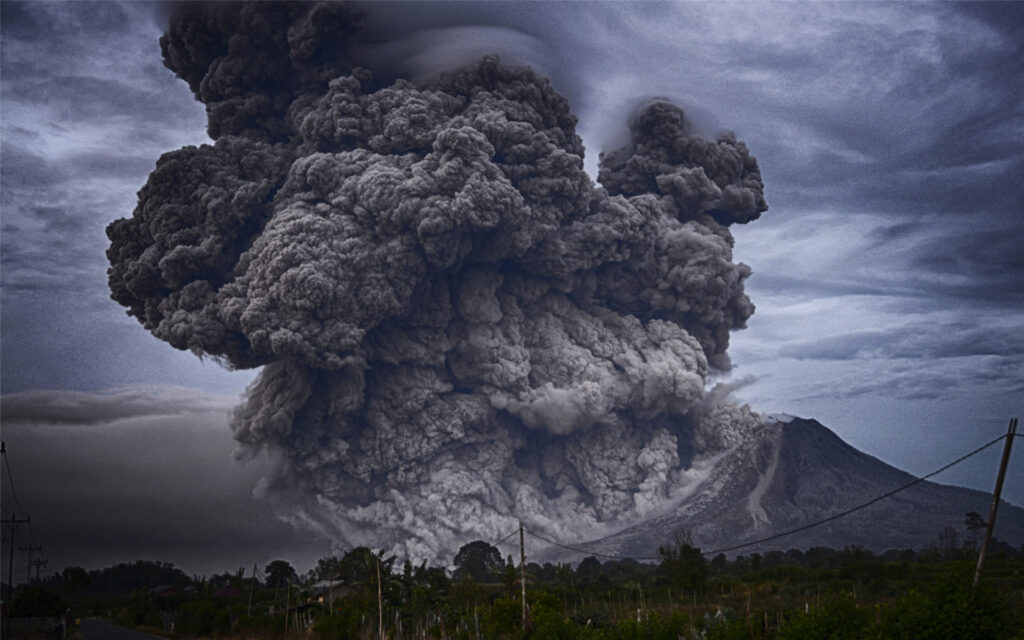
[[888, 271]]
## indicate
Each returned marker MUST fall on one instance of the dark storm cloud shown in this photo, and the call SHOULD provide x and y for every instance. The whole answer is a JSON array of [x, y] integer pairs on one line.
[[48, 244], [60, 172], [100, 165], [433, 284], [90, 37], [926, 381], [63, 262], [926, 341], [938, 271], [415, 40], [909, 118], [931, 125], [84, 98], [810, 287], [1004, 17], [75, 79], [22, 170], [55, 220], [1003, 376], [55, 338], [897, 231], [978, 264], [80, 66]]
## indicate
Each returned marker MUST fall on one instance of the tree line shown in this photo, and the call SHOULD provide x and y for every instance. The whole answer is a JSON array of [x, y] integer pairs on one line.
[[814, 593]]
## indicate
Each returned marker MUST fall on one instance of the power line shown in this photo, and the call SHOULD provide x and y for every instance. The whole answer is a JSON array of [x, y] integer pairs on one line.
[[810, 525], [37, 564], [590, 553], [510, 534], [10, 480], [10, 483], [14, 522]]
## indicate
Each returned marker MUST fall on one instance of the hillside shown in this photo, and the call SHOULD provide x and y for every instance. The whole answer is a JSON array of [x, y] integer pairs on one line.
[[793, 472]]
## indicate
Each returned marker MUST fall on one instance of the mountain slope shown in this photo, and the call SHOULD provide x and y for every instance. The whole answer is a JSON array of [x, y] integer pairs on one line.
[[793, 472]]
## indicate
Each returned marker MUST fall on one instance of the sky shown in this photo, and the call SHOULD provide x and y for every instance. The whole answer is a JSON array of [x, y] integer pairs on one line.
[[887, 272]]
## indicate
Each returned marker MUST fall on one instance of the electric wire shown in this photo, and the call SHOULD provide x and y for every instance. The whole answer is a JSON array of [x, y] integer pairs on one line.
[[10, 481], [591, 553], [512, 533]]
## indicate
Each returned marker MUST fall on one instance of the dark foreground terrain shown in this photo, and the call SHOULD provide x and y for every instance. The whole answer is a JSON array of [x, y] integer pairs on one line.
[[94, 629], [797, 594]]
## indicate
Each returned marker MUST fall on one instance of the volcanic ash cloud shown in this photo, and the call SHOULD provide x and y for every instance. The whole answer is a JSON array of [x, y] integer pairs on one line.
[[456, 328]]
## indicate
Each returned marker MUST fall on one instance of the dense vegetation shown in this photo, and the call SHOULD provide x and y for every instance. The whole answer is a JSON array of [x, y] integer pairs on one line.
[[818, 593]]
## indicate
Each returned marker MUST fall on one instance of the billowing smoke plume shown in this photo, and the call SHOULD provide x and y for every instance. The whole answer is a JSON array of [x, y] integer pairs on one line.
[[457, 328]]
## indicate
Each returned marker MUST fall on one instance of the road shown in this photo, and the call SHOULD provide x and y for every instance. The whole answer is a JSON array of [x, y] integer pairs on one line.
[[93, 629]]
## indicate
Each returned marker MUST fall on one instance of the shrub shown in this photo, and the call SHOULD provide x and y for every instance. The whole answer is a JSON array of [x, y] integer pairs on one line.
[[952, 610], [839, 619]]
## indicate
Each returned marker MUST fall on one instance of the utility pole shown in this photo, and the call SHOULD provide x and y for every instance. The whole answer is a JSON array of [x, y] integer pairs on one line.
[[14, 522], [380, 603], [990, 525], [31, 549], [287, 603], [252, 585], [37, 564], [522, 569]]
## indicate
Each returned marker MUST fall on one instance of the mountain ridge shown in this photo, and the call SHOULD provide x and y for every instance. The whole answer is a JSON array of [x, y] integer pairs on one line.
[[794, 472]]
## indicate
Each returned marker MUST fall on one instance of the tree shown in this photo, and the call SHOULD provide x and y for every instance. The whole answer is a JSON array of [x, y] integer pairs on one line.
[[74, 579], [684, 563], [328, 568], [949, 540], [371, 571], [588, 570], [478, 561], [952, 608], [359, 567], [200, 584], [219, 581], [37, 601], [509, 577], [720, 562], [565, 578], [975, 525], [280, 573]]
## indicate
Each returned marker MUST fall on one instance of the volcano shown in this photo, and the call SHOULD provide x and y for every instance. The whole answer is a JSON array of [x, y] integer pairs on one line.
[[790, 473]]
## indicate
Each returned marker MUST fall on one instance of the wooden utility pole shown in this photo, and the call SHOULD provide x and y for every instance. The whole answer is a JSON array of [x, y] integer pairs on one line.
[[14, 522], [990, 525], [287, 604], [31, 549], [252, 586], [380, 604], [522, 568], [37, 564]]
